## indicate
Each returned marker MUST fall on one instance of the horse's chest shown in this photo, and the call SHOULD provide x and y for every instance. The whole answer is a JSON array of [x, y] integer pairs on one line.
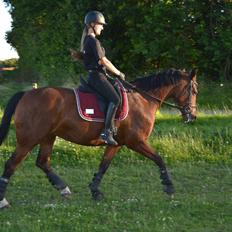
[[143, 124]]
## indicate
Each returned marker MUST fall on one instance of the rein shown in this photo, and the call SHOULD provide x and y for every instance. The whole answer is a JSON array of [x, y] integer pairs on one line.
[[185, 110], [129, 85]]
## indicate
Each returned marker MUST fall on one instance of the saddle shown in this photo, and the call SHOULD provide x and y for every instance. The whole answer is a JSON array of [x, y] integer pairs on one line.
[[92, 106]]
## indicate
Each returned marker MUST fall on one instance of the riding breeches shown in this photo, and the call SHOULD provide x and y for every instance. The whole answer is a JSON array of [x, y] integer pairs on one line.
[[102, 85]]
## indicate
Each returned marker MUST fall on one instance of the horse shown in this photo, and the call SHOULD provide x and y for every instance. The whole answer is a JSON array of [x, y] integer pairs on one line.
[[40, 115]]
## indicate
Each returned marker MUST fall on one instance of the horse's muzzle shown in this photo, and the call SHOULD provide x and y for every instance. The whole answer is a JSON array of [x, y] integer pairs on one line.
[[189, 118]]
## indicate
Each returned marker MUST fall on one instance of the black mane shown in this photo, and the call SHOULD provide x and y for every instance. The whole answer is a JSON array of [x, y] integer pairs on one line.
[[164, 78]]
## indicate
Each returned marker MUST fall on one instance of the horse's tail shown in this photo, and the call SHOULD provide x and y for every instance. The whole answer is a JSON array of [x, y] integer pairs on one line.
[[8, 113]]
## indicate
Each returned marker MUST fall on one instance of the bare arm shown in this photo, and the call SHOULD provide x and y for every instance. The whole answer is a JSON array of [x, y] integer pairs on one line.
[[109, 66]]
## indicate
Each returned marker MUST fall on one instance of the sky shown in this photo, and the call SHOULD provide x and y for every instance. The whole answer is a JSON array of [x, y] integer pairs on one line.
[[6, 51]]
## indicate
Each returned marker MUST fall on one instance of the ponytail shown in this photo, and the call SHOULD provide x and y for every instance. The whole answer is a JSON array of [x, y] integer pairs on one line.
[[84, 34]]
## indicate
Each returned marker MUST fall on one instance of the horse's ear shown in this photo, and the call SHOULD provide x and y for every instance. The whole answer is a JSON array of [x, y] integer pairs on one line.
[[193, 73]]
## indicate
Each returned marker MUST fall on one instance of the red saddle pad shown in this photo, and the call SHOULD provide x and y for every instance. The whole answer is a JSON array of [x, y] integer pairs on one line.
[[88, 106]]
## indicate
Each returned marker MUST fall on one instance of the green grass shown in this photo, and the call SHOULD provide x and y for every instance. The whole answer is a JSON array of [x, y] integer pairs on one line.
[[214, 96], [197, 155], [208, 139], [134, 199]]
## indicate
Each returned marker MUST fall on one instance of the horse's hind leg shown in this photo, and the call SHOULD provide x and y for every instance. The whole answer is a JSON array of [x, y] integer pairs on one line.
[[43, 162], [10, 167], [109, 153]]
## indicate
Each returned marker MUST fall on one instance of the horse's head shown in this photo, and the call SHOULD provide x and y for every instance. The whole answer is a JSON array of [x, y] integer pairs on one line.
[[186, 97], [171, 83]]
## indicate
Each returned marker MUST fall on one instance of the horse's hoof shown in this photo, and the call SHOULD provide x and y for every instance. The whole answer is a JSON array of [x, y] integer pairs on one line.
[[97, 195], [169, 189], [66, 193], [4, 204]]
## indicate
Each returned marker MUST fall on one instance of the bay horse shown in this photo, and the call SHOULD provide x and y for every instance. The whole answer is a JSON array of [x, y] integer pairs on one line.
[[40, 115]]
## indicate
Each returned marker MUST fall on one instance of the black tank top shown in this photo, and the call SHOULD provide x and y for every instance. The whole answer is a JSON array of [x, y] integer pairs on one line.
[[93, 52]]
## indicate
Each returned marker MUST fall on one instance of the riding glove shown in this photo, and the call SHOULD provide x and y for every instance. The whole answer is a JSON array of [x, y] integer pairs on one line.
[[122, 76]]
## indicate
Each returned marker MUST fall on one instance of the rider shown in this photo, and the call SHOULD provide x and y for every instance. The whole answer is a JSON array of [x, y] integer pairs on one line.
[[96, 63]]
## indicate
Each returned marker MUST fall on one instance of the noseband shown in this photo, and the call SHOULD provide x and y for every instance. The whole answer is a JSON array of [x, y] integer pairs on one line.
[[187, 109]]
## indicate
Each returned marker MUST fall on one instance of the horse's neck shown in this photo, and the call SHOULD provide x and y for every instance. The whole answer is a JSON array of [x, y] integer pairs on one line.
[[149, 105], [161, 93], [158, 94]]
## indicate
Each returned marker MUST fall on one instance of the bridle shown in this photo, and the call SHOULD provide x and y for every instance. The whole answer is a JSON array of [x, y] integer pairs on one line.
[[185, 110]]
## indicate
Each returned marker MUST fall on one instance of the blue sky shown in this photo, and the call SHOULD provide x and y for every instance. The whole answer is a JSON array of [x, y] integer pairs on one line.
[[6, 51]]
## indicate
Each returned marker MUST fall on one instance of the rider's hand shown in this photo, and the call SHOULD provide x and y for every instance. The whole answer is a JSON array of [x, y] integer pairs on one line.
[[122, 76]]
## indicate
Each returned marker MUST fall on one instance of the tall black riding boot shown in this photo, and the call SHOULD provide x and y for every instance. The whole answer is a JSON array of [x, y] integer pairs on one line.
[[107, 134]]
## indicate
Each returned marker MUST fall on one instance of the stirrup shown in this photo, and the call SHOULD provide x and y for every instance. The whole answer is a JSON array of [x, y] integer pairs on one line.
[[107, 136]]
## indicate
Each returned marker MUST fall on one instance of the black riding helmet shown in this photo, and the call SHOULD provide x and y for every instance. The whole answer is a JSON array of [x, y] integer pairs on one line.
[[94, 17]]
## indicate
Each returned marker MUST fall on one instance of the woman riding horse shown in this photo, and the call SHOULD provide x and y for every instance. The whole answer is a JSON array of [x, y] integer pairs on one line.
[[96, 63], [42, 114]]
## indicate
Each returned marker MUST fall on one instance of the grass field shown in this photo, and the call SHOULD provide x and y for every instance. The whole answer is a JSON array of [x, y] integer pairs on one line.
[[199, 157]]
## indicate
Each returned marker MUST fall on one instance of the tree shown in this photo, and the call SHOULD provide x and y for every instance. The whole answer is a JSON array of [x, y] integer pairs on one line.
[[142, 35]]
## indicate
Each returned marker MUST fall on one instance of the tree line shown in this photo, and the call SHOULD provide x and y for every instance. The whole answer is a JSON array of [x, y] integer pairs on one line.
[[142, 36]]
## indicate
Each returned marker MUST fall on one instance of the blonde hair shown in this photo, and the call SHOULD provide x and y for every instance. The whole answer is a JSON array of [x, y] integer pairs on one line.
[[84, 34]]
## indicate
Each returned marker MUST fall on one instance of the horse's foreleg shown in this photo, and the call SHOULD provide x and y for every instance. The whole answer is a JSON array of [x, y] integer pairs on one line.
[[43, 162], [10, 166], [109, 153], [144, 149]]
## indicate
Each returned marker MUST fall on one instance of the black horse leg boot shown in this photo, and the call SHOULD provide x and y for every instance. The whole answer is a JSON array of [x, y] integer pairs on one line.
[[107, 134]]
